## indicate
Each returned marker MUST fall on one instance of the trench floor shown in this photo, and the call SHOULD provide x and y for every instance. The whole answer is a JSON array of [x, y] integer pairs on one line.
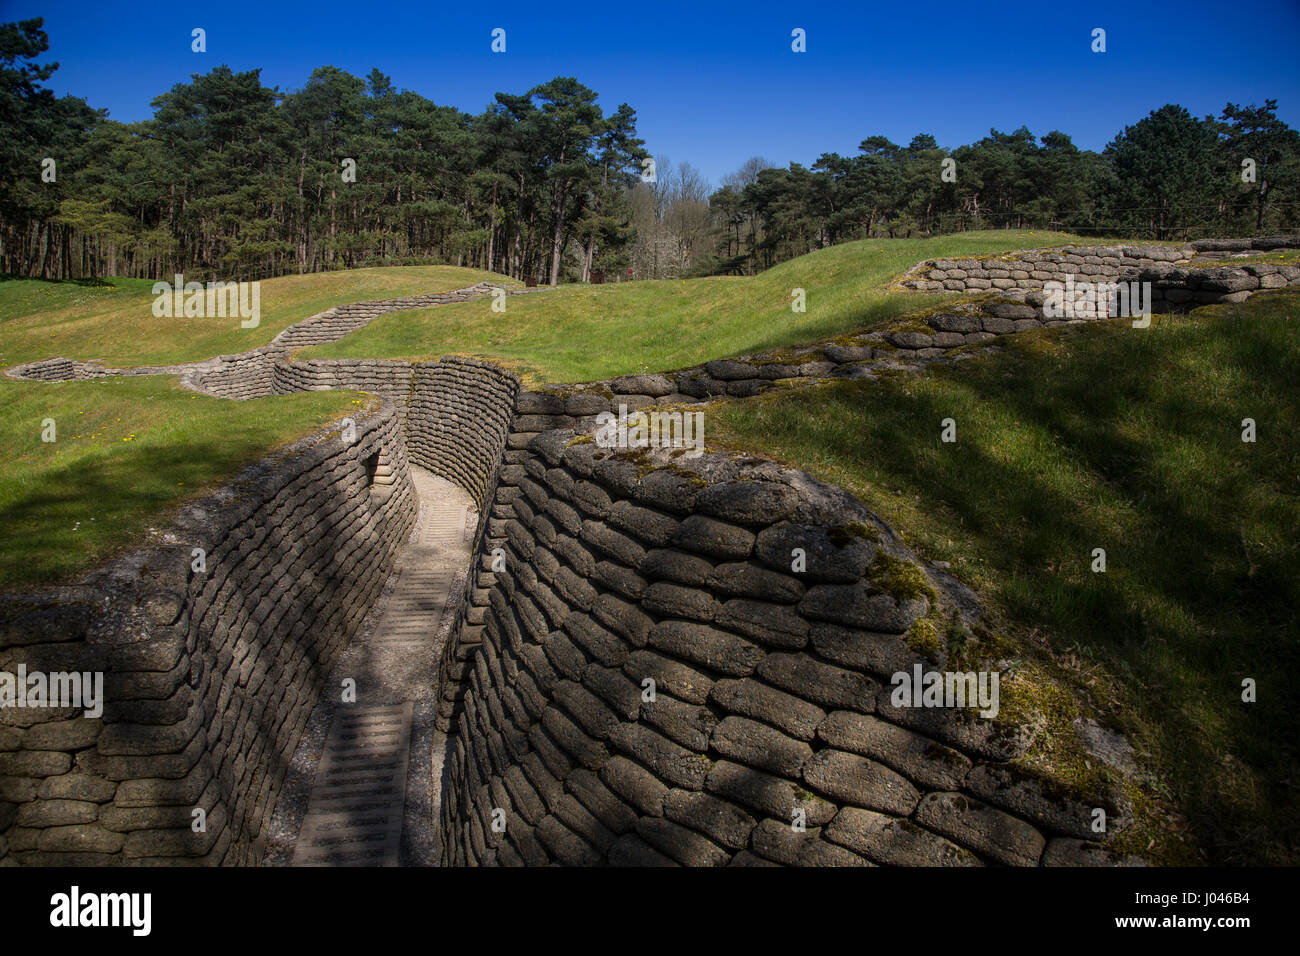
[[363, 786]]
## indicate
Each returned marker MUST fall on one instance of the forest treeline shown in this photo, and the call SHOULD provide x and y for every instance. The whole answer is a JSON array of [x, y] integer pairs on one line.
[[232, 179], [1170, 176]]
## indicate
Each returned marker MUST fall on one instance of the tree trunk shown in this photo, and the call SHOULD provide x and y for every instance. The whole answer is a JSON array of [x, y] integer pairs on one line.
[[559, 223], [492, 226], [557, 241]]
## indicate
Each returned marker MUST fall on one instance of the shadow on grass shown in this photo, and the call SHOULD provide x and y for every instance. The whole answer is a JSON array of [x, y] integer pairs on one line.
[[78, 514], [91, 282], [874, 315], [1133, 445]]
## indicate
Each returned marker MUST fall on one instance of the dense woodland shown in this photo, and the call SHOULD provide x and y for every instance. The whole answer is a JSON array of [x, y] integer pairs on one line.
[[1169, 176], [232, 179]]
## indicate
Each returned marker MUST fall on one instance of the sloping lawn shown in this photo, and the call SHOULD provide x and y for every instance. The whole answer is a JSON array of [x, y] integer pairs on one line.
[[582, 333], [112, 319], [128, 452], [1104, 436]]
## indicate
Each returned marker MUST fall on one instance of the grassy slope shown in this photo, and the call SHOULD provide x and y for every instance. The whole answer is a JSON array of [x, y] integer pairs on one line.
[[128, 452], [114, 322], [582, 333], [1128, 440]]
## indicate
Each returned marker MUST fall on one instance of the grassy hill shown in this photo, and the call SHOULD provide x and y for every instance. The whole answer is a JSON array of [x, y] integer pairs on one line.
[[570, 333], [112, 319], [128, 452], [1103, 436], [582, 333]]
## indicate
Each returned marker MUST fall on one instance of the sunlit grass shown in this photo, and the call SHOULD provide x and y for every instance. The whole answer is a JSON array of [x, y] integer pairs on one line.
[[127, 452], [583, 333], [114, 321]]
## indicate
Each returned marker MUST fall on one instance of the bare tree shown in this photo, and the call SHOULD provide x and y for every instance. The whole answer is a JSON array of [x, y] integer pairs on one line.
[[748, 172], [673, 222]]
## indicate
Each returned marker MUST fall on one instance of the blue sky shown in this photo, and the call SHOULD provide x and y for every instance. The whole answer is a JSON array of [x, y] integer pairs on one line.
[[712, 83]]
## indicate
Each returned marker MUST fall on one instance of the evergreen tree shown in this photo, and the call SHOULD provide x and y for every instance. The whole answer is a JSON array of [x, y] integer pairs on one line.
[[1165, 172]]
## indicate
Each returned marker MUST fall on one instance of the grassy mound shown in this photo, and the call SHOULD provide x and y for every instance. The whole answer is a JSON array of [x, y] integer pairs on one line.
[[1105, 436], [128, 452], [112, 319], [582, 333]]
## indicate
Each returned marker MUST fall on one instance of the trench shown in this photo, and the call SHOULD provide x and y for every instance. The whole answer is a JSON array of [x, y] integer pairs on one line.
[[609, 574], [363, 787], [361, 780]]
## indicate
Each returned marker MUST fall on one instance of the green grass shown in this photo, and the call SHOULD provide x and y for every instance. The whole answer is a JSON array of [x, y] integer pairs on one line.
[[128, 453], [112, 320], [1282, 257], [1104, 436], [584, 333], [130, 450]]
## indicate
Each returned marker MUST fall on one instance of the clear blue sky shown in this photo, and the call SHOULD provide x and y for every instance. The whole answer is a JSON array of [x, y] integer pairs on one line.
[[715, 83]]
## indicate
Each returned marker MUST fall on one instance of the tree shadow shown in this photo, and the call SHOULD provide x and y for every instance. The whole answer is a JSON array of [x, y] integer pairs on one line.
[[1182, 612], [89, 282]]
